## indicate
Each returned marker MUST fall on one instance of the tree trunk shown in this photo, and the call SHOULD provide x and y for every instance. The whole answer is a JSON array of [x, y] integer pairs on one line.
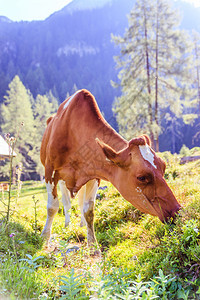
[[148, 76], [156, 83], [173, 137], [198, 77]]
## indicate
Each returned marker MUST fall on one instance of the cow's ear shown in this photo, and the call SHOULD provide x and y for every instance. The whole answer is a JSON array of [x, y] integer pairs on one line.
[[141, 140], [109, 152], [122, 158], [137, 141], [147, 139]]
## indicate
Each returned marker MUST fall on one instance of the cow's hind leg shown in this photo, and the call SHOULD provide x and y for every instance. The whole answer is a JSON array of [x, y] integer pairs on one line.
[[66, 200], [52, 204], [87, 207], [81, 199]]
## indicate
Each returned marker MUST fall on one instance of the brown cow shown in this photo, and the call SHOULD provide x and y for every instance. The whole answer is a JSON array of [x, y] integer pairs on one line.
[[79, 148]]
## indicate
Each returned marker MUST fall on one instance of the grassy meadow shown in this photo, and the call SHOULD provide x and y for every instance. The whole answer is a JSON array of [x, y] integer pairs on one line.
[[141, 257]]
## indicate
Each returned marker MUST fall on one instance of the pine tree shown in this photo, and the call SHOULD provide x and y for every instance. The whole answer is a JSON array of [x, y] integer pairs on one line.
[[196, 44], [171, 64], [153, 66], [19, 106], [135, 74], [43, 108], [15, 110], [194, 104], [53, 101]]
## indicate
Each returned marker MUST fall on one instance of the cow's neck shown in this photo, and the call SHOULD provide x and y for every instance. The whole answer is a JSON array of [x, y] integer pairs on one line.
[[107, 172], [95, 164], [89, 159], [109, 136], [97, 168]]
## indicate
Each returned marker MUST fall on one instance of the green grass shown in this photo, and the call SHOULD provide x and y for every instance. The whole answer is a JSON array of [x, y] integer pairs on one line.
[[141, 257]]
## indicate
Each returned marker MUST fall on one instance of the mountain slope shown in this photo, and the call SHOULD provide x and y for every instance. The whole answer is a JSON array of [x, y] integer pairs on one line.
[[67, 48], [84, 5]]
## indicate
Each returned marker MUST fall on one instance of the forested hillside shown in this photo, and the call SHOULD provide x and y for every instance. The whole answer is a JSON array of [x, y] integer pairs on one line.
[[72, 46], [68, 48]]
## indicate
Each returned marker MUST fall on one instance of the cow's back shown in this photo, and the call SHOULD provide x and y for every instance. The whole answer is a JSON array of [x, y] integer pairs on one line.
[[72, 125]]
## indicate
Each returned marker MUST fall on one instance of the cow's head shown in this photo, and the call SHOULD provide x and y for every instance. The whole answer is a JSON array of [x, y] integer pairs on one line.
[[139, 177]]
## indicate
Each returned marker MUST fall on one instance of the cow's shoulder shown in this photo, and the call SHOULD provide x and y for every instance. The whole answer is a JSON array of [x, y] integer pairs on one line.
[[79, 95], [84, 101], [87, 100]]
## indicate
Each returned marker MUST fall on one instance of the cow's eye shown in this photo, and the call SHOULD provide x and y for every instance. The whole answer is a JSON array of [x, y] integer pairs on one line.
[[145, 178], [142, 178]]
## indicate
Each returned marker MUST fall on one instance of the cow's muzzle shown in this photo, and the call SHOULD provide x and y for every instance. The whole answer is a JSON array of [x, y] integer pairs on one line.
[[169, 217]]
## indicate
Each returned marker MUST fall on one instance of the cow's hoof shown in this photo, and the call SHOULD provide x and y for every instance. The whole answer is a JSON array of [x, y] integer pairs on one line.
[[82, 223], [67, 219], [67, 223], [46, 236], [97, 253]]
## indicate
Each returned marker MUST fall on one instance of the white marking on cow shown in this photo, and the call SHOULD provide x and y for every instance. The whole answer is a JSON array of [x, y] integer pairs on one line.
[[138, 189], [52, 208], [141, 195], [52, 202], [70, 99], [147, 154], [66, 200], [87, 194], [49, 187]]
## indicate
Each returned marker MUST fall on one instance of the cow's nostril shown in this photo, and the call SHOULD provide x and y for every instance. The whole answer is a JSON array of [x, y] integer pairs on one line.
[[171, 215], [175, 212]]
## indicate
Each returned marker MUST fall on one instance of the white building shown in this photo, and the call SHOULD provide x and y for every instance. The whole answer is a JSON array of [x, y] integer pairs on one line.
[[5, 149]]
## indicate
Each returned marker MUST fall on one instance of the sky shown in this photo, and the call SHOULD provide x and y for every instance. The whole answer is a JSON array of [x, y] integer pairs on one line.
[[28, 10], [195, 2]]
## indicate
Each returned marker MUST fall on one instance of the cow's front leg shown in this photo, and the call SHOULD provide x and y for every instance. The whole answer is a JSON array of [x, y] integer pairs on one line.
[[88, 212], [66, 200], [52, 209]]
